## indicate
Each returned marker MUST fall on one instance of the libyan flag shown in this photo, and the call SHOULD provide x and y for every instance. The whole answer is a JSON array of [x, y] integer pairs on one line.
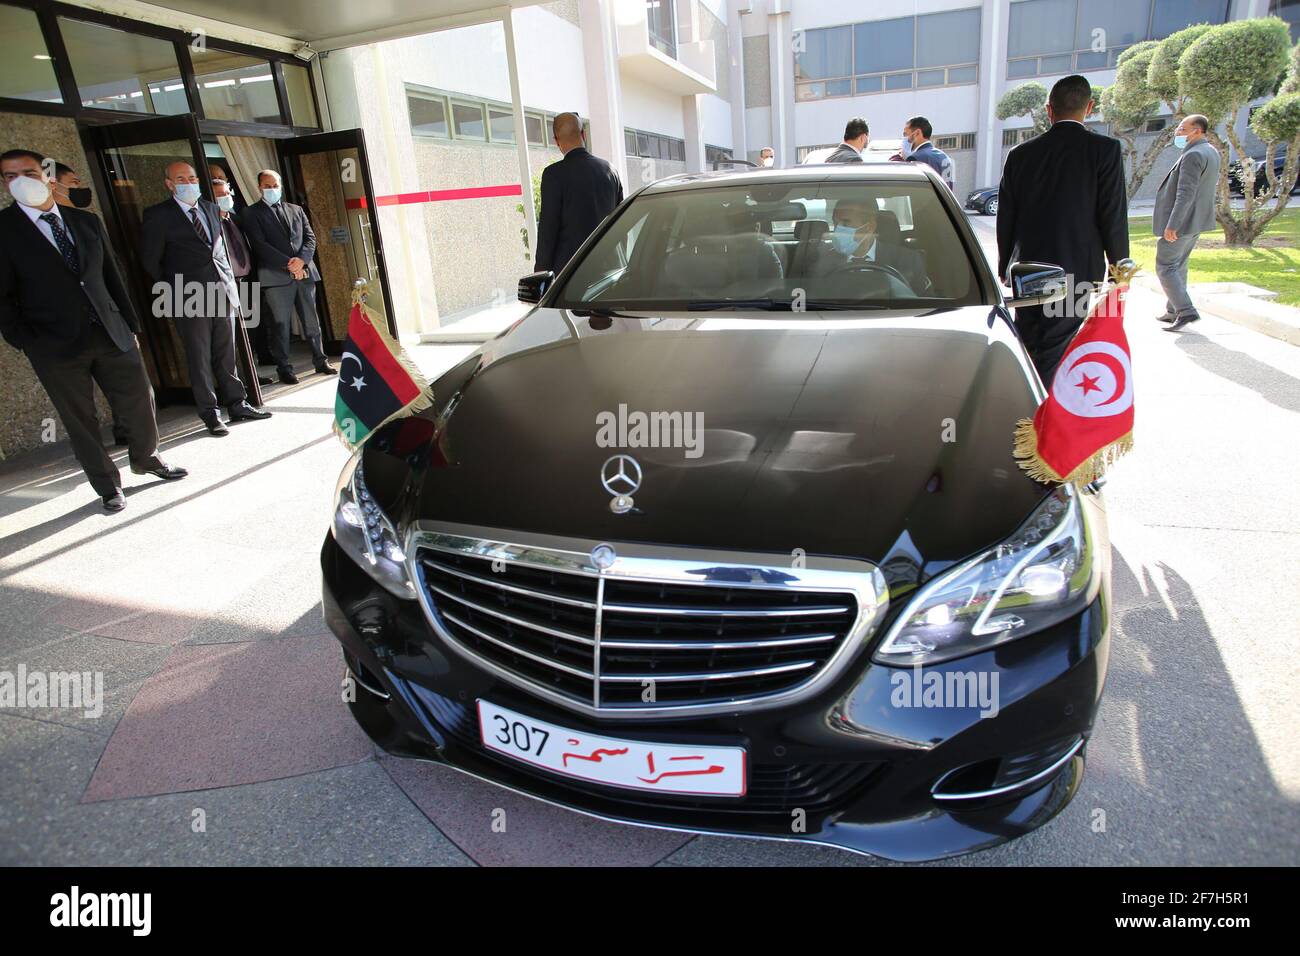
[[1086, 423], [377, 382]]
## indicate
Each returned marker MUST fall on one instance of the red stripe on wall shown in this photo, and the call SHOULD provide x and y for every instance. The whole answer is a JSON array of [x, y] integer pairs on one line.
[[439, 195]]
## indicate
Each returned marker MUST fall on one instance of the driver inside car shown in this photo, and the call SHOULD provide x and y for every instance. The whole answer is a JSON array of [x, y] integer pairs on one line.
[[855, 241]]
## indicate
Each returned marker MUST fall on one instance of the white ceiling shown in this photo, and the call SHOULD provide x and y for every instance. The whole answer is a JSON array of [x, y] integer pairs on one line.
[[327, 24]]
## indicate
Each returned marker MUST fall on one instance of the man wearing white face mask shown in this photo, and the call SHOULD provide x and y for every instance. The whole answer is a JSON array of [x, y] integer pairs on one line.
[[767, 156], [183, 247], [64, 303]]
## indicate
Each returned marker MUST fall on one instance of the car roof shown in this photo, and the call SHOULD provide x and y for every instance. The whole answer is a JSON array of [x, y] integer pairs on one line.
[[827, 172]]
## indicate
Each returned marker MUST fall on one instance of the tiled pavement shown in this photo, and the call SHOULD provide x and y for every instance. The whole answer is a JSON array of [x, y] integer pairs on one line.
[[223, 739]]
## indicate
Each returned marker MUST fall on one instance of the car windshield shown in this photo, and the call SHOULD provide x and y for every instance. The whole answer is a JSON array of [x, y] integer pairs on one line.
[[780, 246]]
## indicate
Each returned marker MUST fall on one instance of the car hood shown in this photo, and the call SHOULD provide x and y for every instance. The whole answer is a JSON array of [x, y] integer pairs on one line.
[[886, 438]]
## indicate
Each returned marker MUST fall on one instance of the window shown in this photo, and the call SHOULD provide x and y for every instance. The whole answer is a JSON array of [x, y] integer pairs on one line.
[[302, 106], [123, 71], [29, 71], [710, 244], [428, 115], [902, 53], [535, 127], [659, 26], [501, 125], [235, 87], [1170, 16], [468, 119], [826, 53], [1047, 37], [1012, 137], [884, 45], [653, 145], [955, 141], [713, 154]]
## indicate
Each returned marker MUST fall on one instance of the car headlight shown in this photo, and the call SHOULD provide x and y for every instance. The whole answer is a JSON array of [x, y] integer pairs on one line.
[[363, 530], [1044, 573]]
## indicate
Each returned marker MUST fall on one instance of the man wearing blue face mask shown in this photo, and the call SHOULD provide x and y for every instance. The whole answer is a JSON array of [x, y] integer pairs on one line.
[[858, 238], [917, 148], [183, 249], [285, 247], [1184, 209]]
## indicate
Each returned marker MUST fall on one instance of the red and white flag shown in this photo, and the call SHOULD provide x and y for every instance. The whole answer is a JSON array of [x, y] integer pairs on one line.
[[1086, 423]]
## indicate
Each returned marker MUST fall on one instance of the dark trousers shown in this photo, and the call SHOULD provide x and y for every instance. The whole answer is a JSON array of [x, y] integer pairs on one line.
[[70, 382], [210, 356], [281, 299]]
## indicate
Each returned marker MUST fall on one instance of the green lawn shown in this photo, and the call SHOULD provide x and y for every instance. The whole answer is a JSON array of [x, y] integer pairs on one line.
[[1273, 263]]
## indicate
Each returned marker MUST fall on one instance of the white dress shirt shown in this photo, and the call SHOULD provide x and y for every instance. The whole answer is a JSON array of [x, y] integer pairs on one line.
[[35, 214]]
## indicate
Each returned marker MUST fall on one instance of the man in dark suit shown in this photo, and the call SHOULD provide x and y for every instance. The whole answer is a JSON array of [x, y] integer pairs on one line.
[[63, 302], [285, 248], [856, 136], [578, 192], [183, 249], [854, 240], [1062, 201]]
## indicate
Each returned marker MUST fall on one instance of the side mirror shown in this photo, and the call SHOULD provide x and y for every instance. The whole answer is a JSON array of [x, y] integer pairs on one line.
[[533, 285], [1036, 283]]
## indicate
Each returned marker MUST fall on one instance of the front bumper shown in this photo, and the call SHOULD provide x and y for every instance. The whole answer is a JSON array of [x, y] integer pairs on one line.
[[856, 766]]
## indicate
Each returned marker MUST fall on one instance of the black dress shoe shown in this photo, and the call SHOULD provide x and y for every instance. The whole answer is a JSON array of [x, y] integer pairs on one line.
[[325, 368], [288, 378], [163, 471], [1182, 322], [1167, 317], [265, 380], [214, 425], [114, 502], [244, 411]]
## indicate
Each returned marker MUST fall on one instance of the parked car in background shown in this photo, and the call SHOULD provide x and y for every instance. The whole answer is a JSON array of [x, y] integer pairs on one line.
[[983, 200], [1236, 186]]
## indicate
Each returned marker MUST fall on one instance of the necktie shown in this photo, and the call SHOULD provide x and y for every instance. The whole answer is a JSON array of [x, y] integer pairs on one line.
[[199, 227], [283, 217], [63, 241]]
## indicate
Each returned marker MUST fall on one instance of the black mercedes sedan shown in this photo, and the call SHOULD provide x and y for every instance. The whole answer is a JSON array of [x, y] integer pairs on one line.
[[726, 534]]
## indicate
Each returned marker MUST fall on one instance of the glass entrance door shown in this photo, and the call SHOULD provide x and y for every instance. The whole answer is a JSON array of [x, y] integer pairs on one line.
[[329, 176], [132, 158]]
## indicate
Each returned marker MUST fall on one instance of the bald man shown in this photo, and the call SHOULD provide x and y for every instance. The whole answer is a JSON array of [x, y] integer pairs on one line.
[[577, 193], [183, 250]]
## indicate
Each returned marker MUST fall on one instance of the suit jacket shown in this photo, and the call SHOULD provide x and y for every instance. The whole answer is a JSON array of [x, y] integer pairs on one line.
[[172, 251], [273, 245], [1063, 201], [1185, 200], [844, 154], [44, 306], [578, 192]]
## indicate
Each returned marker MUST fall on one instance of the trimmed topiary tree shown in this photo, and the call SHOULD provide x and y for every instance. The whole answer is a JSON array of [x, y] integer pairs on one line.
[[1219, 73], [1028, 99]]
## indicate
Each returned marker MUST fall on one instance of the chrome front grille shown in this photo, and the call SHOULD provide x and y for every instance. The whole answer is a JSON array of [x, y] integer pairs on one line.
[[658, 631]]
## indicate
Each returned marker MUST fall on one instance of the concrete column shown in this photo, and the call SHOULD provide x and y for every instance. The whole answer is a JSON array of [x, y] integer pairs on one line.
[[693, 121], [604, 93], [993, 66], [736, 44], [781, 66], [521, 130]]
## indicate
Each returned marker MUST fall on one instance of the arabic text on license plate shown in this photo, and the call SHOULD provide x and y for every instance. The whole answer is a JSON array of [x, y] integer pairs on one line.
[[638, 765]]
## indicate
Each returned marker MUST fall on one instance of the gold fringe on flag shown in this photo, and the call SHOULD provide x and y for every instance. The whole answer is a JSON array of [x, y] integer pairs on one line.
[[1089, 470], [361, 289]]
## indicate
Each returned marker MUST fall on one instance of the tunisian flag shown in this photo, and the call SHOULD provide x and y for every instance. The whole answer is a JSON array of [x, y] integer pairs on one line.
[[1086, 423]]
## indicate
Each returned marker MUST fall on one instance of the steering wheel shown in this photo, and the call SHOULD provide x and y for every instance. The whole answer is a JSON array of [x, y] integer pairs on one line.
[[855, 268]]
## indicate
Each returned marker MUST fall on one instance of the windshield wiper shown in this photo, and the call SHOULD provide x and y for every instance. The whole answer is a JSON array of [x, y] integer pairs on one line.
[[707, 305]]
